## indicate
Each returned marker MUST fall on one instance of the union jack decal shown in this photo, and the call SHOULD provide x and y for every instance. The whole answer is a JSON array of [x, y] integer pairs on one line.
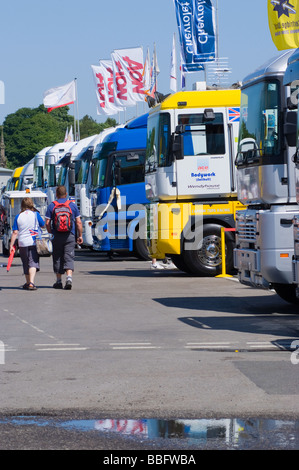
[[233, 114], [33, 233]]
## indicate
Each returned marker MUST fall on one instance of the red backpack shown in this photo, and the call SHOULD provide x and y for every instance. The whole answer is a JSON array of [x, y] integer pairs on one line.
[[62, 216]]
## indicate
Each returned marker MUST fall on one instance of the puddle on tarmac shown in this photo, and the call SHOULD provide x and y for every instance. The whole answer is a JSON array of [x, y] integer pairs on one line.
[[184, 433]]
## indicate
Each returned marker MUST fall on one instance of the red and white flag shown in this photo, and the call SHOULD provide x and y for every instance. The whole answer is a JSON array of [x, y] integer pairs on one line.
[[103, 79], [128, 76], [60, 96]]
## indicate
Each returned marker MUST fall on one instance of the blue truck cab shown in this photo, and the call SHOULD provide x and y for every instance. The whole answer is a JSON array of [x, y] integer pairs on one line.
[[118, 190]]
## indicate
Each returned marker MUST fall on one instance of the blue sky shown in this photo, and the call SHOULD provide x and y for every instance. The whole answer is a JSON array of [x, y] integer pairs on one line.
[[47, 44]]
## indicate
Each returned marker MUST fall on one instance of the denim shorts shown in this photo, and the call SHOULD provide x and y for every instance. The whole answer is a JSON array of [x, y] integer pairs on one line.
[[29, 257]]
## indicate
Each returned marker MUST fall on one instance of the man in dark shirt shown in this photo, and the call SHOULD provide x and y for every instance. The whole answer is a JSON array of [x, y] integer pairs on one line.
[[64, 242]]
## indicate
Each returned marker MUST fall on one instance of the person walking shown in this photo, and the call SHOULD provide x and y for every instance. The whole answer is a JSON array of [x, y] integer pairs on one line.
[[25, 229], [64, 222]]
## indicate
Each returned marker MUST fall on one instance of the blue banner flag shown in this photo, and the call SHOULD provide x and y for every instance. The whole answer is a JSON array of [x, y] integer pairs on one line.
[[196, 25]]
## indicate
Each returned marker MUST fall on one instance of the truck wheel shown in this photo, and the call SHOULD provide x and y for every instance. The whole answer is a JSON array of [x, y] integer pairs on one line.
[[141, 250], [207, 260], [287, 292], [140, 244], [179, 262]]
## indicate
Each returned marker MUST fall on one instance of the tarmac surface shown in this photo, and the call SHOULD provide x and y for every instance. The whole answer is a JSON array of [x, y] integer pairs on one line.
[[127, 343]]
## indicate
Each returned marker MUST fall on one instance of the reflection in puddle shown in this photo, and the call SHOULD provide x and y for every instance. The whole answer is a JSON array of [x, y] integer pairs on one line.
[[228, 433]]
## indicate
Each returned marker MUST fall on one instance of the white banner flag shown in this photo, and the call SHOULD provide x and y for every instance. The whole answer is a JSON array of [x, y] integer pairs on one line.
[[103, 79], [154, 72], [128, 76], [146, 73], [60, 96]]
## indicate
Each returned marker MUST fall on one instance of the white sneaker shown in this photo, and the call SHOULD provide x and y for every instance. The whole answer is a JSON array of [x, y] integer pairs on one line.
[[157, 266], [169, 265]]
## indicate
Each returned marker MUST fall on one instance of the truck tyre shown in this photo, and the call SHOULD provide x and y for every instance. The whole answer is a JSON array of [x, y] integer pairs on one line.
[[140, 246], [207, 260], [179, 262], [287, 292], [141, 250]]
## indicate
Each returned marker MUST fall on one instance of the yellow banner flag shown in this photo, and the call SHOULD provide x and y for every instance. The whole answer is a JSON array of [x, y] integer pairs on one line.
[[283, 19]]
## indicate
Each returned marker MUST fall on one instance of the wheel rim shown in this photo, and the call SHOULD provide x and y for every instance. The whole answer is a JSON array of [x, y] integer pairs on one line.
[[210, 252]]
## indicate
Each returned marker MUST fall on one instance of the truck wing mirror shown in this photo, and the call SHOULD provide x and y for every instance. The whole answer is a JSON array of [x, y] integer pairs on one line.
[[209, 114], [72, 175], [290, 128], [180, 129], [117, 173], [178, 147], [131, 157]]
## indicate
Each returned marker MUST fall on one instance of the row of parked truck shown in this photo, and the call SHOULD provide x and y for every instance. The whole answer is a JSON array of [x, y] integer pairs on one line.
[[198, 165]]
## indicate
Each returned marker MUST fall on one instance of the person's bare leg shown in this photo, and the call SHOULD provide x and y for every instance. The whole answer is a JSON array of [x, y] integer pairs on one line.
[[32, 272]]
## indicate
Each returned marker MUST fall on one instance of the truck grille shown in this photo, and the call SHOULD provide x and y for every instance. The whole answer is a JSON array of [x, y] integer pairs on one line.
[[246, 228]]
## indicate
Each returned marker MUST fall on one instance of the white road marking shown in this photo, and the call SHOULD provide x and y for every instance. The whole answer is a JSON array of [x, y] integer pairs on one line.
[[133, 346], [62, 349]]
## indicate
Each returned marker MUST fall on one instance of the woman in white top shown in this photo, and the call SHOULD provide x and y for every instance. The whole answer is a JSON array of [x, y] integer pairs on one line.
[[25, 229]]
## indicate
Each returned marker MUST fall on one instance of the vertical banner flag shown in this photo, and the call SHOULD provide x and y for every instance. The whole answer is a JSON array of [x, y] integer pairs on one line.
[[196, 25], [69, 136], [66, 134], [103, 79], [146, 73], [154, 72], [128, 76], [60, 96], [283, 20], [173, 76]]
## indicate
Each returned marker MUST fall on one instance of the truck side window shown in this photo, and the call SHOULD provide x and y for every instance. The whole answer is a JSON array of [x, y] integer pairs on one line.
[[164, 140], [158, 142], [203, 137], [132, 167]]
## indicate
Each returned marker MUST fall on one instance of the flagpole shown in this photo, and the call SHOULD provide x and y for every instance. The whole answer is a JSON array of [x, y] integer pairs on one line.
[[75, 121], [156, 75], [217, 32], [77, 134]]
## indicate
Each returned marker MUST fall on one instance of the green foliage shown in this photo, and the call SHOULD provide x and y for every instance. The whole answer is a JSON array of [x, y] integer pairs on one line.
[[89, 126], [29, 130]]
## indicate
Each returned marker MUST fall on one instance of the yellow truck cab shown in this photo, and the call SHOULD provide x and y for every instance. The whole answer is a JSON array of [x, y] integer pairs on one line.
[[13, 182], [190, 179]]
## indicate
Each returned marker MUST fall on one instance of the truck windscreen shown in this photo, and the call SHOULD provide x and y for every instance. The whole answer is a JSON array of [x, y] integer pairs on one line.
[[260, 133]]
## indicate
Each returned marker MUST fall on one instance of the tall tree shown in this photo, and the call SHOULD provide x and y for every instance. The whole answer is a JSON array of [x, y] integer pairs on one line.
[[29, 130]]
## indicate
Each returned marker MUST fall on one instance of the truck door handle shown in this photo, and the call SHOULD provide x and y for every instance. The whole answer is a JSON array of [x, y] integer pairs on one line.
[[286, 221]]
